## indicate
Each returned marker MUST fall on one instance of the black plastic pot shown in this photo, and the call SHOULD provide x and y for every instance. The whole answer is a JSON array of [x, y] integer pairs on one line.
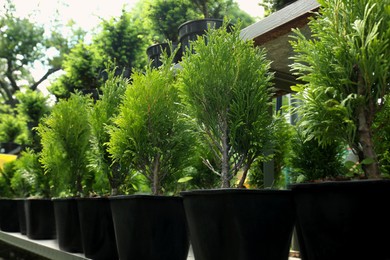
[[189, 31], [97, 228], [40, 220], [150, 227], [21, 216], [10, 148], [9, 220], [233, 224], [68, 225], [154, 53], [343, 220]]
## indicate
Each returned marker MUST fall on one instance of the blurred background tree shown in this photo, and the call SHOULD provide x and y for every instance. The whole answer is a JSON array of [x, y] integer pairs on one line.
[[271, 6], [22, 43]]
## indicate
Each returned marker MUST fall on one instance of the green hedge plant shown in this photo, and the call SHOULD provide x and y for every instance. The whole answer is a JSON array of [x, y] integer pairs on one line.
[[102, 117], [345, 69], [225, 87], [65, 137], [149, 136]]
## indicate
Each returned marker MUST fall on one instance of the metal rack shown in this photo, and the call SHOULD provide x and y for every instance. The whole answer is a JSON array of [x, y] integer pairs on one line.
[[45, 248]]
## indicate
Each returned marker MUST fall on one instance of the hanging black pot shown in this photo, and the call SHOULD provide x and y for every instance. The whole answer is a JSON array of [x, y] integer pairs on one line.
[[40, 221], [67, 225], [154, 53], [233, 224], [97, 228], [10, 148], [150, 227], [189, 31], [9, 220], [21, 215], [343, 220]]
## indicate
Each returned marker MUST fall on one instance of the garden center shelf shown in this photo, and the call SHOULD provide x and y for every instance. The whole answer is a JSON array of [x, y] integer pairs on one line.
[[45, 248]]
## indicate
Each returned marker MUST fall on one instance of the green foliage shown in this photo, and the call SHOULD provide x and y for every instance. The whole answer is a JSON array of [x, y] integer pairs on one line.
[[20, 40], [149, 136], [225, 87], [166, 16], [381, 129], [271, 6], [121, 40], [212, 8], [23, 44], [29, 178], [346, 69], [103, 112], [63, 38], [65, 137], [283, 133], [6, 175], [32, 106], [82, 68], [13, 128], [311, 161]]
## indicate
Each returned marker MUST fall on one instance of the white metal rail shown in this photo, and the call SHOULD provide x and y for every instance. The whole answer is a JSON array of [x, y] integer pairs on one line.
[[45, 248]]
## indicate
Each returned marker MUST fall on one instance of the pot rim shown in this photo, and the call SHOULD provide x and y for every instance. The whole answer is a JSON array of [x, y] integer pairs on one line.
[[339, 184], [144, 196], [223, 191], [205, 20]]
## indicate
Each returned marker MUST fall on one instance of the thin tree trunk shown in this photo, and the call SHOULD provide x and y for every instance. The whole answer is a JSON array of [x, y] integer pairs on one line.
[[225, 171], [243, 177], [365, 138], [365, 119], [156, 180], [79, 184]]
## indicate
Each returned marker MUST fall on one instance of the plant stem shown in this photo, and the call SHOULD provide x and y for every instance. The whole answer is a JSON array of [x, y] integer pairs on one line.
[[365, 120]]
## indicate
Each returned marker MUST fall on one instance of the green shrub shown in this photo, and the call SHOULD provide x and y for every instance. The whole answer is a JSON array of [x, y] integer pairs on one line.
[[65, 137], [109, 173], [29, 178], [149, 136], [312, 161], [225, 86]]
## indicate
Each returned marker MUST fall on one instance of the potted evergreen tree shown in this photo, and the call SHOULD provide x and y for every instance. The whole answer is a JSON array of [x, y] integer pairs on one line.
[[13, 134], [9, 221], [13, 131], [110, 175], [29, 180], [65, 135], [225, 87], [345, 69], [150, 139]]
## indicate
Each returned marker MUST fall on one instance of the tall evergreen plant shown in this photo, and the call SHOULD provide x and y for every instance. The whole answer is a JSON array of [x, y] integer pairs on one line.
[[346, 70], [65, 137], [149, 136], [225, 85], [102, 117]]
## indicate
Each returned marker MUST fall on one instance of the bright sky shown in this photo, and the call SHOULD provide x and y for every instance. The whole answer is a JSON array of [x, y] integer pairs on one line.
[[86, 13]]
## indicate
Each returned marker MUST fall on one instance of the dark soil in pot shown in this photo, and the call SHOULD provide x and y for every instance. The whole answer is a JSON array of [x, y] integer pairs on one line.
[[150, 227], [97, 228], [343, 220], [233, 224], [68, 225]]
